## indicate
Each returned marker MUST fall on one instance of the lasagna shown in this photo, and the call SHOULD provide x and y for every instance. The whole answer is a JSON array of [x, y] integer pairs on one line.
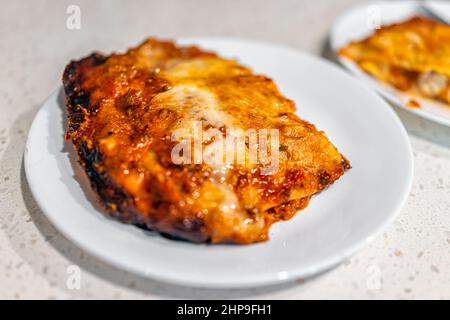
[[413, 56], [128, 115]]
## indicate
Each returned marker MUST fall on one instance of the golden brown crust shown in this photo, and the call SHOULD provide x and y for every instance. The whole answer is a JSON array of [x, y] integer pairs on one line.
[[122, 110]]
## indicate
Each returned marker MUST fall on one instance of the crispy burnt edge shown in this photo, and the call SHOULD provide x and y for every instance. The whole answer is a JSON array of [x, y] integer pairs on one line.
[[117, 202], [113, 198]]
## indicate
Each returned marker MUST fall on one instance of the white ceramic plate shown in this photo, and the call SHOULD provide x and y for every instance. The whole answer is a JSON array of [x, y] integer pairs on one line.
[[440, 9], [357, 23], [335, 225]]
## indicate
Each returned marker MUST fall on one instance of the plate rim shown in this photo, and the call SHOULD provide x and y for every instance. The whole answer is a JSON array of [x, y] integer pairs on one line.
[[433, 7], [256, 281]]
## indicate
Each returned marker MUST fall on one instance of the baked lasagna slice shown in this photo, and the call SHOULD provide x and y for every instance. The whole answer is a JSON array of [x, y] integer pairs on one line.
[[413, 56], [140, 120]]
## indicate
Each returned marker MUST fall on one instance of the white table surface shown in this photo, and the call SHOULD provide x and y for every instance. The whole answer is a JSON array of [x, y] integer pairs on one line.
[[410, 260]]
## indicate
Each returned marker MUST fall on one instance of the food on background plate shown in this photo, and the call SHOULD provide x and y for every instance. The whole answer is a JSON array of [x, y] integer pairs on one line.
[[413, 56], [127, 115]]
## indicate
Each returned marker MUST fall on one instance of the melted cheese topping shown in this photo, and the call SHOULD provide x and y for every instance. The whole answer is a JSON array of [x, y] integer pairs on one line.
[[195, 105]]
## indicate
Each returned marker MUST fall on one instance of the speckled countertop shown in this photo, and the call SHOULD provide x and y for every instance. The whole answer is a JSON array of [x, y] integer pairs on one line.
[[410, 260]]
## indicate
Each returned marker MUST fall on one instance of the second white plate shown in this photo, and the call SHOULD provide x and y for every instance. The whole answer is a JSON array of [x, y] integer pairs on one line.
[[358, 23], [337, 223]]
